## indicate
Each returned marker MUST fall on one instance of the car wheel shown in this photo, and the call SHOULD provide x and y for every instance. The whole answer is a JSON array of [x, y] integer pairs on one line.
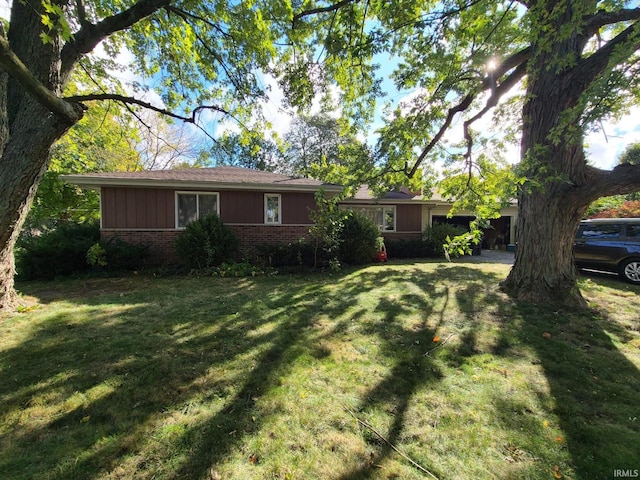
[[630, 270]]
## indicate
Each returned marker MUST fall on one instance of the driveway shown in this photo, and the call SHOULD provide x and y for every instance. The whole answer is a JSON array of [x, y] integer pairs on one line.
[[489, 256]]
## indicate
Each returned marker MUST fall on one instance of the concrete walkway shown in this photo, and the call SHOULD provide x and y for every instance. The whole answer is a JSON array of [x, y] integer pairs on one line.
[[489, 256]]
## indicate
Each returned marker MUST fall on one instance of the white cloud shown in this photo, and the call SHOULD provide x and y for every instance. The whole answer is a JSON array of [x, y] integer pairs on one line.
[[605, 146]]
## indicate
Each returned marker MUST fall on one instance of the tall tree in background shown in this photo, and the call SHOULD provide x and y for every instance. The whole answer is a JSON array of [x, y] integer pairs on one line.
[[317, 146], [202, 56], [576, 60], [247, 151], [164, 143]]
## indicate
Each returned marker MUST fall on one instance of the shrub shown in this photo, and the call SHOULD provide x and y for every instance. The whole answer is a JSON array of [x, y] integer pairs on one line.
[[61, 251], [206, 243], [358, 239], [408, 248], [435, 236], [300, 253], [114, 255]]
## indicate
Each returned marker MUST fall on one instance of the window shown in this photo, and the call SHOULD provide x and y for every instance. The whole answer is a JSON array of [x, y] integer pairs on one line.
[[272, 209], [633, 229], [606, 230], [382, 216], [191, 206]]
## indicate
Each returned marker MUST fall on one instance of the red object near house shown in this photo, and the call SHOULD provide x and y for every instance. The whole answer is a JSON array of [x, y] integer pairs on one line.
[[382, 253]]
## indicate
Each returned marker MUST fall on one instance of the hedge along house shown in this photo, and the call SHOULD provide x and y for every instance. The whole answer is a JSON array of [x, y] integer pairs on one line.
[[405, 215], [153, 207]]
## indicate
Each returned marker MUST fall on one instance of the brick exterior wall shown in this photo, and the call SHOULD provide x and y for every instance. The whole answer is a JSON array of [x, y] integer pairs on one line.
[[161, 242], [401, 236], [253, 235]]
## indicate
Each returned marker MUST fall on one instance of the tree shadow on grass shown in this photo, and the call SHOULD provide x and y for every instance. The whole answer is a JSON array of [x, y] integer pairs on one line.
[[109, 372], [138, 363]]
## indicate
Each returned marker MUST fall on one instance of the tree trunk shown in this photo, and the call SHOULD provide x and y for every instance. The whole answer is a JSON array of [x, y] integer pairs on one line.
[[23, 162], [27, 132], [551, 204]]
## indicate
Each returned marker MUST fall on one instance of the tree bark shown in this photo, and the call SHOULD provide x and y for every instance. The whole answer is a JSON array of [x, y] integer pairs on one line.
[[561, 183]]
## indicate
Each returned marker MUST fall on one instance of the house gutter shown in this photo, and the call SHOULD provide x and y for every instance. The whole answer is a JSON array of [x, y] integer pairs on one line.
[[98, 182]]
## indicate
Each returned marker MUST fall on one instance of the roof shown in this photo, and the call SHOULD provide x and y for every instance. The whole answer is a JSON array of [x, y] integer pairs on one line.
[[402, 195], [220, 177]]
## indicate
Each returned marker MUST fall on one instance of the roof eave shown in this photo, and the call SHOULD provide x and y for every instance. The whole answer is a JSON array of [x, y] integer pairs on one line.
[[98, 182]]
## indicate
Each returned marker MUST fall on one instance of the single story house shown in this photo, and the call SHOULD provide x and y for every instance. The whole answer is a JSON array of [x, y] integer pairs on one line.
[[152, 207]]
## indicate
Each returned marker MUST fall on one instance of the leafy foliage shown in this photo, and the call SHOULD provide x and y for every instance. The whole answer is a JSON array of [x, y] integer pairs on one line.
[[358, 239], [207, 243], [295, 254], [438, 235], [628, 209], [61, 251], [325, 236]]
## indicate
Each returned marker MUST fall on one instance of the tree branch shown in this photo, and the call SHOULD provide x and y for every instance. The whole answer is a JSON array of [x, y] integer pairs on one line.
[[330, 8], [518, 60], [147, 105], [602, 18], [11, 64], [589, 68], [623, 179], [89, 35]]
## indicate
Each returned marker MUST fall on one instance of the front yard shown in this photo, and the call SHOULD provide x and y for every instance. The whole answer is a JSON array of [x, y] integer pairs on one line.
[[408, 370]]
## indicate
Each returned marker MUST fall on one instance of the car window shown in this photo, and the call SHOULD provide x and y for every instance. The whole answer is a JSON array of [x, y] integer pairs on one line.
[[633, 230], [608, 230]]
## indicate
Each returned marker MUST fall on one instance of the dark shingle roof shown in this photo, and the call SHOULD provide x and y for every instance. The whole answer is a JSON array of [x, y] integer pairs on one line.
[[221, 176]]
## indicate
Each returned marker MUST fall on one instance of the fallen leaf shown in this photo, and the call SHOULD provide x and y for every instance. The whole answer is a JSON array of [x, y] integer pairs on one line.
[[556, 473], [546, 335]]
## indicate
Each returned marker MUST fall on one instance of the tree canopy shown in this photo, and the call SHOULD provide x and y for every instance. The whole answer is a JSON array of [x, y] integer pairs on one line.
[[562, 66]]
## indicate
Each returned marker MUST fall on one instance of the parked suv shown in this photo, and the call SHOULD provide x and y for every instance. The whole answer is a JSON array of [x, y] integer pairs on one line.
[[610, 244]]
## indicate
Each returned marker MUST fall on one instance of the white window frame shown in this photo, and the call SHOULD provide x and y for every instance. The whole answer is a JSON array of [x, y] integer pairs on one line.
[[266, 203], [385, 209], [197, 194]]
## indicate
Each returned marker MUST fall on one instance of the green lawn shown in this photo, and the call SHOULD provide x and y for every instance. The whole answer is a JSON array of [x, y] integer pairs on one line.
[[389, 371]]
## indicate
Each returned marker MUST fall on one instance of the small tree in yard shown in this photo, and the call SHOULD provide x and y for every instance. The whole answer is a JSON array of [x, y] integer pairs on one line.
[[327, 221]]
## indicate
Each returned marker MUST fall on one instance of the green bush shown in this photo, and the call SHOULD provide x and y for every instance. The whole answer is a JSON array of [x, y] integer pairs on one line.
[[408, 248], [121, 256], [358, 239], [207, 243], [57, 252], [295, 254], [435, 236]]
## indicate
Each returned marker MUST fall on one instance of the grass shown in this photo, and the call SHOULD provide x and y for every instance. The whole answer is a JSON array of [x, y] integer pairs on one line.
[[324, 376]]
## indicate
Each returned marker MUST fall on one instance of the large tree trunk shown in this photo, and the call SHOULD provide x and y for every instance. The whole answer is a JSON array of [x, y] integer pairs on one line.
[[551, 204], [27, 132]]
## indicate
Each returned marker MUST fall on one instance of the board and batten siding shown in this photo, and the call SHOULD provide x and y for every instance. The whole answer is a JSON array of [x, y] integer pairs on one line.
[[154, 208], [137, 208], [408, 218]]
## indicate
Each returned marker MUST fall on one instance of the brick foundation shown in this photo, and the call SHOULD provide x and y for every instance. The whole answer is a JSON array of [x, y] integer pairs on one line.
[[161, 242]]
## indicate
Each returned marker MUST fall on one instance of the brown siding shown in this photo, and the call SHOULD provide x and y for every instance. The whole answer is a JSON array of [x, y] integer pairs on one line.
[[295, 208], [247, 207], [408, 218], [137, 208], [242, 207]]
